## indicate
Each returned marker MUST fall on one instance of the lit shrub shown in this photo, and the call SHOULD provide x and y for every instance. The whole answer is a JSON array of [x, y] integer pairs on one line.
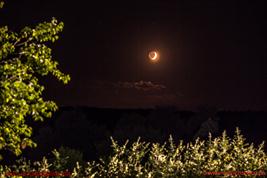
[[141, 159], [66, 158], [221, 154]]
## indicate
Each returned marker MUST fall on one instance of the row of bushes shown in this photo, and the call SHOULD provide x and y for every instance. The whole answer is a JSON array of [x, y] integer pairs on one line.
[[142, 159]]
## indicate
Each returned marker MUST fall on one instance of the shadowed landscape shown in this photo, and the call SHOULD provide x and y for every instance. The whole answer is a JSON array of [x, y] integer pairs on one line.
[[89, 129]]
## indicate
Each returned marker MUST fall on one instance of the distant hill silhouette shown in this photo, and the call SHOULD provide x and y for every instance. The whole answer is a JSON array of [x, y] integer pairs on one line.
[[89, 129]]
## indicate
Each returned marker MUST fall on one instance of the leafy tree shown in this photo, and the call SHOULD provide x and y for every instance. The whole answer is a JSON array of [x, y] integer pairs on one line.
[[24, 58]]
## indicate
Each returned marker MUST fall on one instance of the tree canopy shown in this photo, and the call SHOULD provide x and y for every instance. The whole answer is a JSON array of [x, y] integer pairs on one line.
[[25, 57]]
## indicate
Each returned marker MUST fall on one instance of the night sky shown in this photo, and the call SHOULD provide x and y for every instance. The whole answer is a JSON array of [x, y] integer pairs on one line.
[[212, 53]]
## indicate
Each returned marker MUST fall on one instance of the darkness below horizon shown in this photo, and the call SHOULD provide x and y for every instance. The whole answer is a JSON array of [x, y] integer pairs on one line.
[[212, 53], [89, 129]]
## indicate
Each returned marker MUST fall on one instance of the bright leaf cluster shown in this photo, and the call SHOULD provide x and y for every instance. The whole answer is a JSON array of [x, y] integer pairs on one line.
[[24, 58]]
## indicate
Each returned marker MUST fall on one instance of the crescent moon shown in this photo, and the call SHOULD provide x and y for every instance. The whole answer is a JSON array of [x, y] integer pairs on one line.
[[153, 56]]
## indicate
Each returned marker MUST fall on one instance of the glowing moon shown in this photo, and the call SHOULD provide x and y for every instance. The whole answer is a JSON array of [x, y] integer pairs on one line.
[[153, 56]]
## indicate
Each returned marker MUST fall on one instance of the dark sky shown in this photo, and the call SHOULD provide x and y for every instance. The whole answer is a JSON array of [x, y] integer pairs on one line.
[[213, 53]]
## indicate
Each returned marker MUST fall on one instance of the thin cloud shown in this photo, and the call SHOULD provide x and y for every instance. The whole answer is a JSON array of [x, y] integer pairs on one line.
[[140, 85], [129, 94]]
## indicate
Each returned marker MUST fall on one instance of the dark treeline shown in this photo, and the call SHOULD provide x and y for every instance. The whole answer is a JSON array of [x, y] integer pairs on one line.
[[89, 129]]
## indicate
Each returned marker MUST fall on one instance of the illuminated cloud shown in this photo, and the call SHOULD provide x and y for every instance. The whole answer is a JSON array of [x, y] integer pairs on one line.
[[129, 94], [140, 85]]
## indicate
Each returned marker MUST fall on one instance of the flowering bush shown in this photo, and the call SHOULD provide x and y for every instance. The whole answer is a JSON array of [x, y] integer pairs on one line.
[[141, 159]]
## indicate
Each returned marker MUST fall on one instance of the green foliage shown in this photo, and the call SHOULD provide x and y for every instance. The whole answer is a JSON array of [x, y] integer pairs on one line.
[[1, 4], [140, 159], [124, 161], [66, 158], [24, 58]]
